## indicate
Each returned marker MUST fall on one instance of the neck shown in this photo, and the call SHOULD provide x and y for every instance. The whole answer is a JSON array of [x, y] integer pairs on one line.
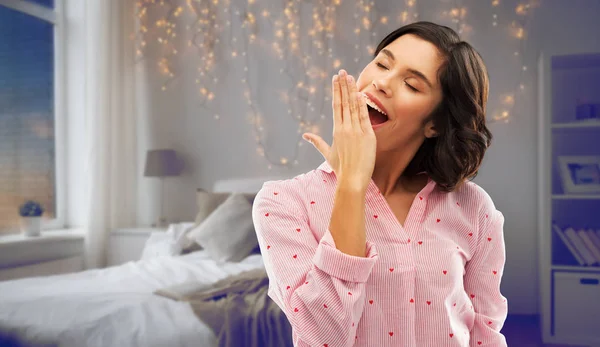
[[388, 174]]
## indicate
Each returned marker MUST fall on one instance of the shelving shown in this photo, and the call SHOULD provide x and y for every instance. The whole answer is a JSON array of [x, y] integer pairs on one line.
[[577, 125], [576, 197], [575, 268], [569, 217]]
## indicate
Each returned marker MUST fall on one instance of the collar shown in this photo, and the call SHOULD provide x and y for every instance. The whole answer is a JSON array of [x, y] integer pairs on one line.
[[325, 167]]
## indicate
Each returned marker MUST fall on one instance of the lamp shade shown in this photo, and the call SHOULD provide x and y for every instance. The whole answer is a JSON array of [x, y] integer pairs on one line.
[[162, 163]]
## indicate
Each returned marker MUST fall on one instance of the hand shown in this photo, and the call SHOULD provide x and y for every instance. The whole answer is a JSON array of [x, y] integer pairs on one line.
[[352, 154]]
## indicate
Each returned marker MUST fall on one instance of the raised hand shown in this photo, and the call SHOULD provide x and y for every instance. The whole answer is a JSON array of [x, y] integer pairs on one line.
[[352, 154]]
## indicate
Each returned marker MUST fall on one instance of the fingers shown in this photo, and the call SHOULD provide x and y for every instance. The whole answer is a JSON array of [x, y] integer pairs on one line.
[[354, 113], [337, 102], [319, 144], [365, 122], [346, 116]]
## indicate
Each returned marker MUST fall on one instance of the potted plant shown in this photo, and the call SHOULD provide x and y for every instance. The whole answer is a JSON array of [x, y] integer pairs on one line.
[[31, 218]]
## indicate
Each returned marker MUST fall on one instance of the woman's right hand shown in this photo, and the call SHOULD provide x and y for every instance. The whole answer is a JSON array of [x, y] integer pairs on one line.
[[352, 154]]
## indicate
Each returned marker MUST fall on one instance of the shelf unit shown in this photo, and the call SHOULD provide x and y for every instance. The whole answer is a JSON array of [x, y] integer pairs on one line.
[[576, 196], [569, 292], [578, 125]]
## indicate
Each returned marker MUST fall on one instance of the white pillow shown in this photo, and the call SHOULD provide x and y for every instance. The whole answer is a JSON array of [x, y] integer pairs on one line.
[[227, 234]]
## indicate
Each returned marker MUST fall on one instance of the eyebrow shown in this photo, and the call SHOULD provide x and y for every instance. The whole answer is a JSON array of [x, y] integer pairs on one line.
[[417, 73]]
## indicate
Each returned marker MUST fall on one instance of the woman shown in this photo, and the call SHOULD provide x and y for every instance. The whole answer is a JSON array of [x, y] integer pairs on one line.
[[388, 243]]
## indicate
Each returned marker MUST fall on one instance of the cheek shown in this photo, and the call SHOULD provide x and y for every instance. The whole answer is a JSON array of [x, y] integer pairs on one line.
[[412, 106]]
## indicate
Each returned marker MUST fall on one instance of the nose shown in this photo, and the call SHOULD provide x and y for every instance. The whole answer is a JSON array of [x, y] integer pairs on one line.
[[383, 85]]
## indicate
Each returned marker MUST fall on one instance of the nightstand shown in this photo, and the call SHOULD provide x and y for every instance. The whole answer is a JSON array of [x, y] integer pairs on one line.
[[127, 244], [53, 252]]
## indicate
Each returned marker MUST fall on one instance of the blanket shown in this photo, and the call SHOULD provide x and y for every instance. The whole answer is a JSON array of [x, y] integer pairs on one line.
[[240, 313]]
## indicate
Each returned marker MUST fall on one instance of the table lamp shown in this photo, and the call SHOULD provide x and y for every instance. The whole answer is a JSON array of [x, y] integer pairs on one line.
[[162, 163]]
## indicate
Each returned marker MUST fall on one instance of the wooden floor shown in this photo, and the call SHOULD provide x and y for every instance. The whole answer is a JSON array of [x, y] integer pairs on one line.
[[525, 331]]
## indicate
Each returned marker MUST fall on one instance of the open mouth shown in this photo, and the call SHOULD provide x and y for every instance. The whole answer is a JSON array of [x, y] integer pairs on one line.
[[376, 117]]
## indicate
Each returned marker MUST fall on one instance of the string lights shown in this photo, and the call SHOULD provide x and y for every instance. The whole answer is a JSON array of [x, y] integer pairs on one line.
[[306, 65]]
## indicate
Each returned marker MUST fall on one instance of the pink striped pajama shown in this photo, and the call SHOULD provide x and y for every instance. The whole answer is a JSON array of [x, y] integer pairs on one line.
[[433, 282]]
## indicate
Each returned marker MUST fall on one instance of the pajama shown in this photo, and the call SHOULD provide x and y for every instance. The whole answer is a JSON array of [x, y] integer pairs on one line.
[[434, 281]]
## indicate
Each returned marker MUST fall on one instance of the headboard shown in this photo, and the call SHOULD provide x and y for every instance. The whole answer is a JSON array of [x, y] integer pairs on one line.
[[243, 185]]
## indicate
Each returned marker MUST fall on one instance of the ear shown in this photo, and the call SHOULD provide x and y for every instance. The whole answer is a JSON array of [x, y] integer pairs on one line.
[[430, 130]]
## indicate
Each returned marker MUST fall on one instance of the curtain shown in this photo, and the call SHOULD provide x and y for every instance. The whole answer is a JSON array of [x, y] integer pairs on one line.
[[110, 123]]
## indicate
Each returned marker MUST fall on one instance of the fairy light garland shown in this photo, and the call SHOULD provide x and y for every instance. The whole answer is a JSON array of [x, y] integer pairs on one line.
[[307, 68]]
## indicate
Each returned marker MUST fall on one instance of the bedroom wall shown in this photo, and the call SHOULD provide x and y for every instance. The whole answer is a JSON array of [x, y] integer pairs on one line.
[[225, 148]]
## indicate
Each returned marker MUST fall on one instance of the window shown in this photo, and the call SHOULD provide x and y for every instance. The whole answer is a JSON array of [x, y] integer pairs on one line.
[[29, 110]]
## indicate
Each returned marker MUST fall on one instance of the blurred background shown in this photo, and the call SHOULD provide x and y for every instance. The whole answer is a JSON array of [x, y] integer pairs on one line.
[[90, 90]]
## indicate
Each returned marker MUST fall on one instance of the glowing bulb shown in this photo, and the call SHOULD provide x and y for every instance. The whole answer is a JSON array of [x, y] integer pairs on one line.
[[519, 32], [403, 16], [521, 10], [366, 23]]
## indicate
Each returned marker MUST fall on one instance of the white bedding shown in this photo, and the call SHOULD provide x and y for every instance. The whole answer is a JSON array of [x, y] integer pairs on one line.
[[113, 306]]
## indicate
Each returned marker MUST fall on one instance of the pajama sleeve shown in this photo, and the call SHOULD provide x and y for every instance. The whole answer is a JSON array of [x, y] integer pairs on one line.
[[482, 282], [320, 289]]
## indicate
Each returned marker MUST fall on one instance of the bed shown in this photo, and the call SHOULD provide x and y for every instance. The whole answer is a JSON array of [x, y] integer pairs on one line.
[[118, 306]]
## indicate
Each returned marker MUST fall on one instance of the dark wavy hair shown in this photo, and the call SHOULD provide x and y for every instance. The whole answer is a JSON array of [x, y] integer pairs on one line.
[[457, 151]]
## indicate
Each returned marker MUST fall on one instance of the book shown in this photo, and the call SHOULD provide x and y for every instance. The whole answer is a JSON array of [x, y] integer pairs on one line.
[[580, 246], [595, 238], [589, 244], [569, 244]]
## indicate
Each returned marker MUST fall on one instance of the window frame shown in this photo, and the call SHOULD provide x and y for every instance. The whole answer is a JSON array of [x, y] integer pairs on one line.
[[55, 16]]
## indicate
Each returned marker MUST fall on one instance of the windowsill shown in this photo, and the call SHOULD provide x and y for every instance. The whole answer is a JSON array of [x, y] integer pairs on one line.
[[18, 249]]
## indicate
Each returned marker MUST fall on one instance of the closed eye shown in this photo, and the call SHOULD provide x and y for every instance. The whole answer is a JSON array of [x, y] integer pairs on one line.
[[382, 66], [408, 85], [411, 87]]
